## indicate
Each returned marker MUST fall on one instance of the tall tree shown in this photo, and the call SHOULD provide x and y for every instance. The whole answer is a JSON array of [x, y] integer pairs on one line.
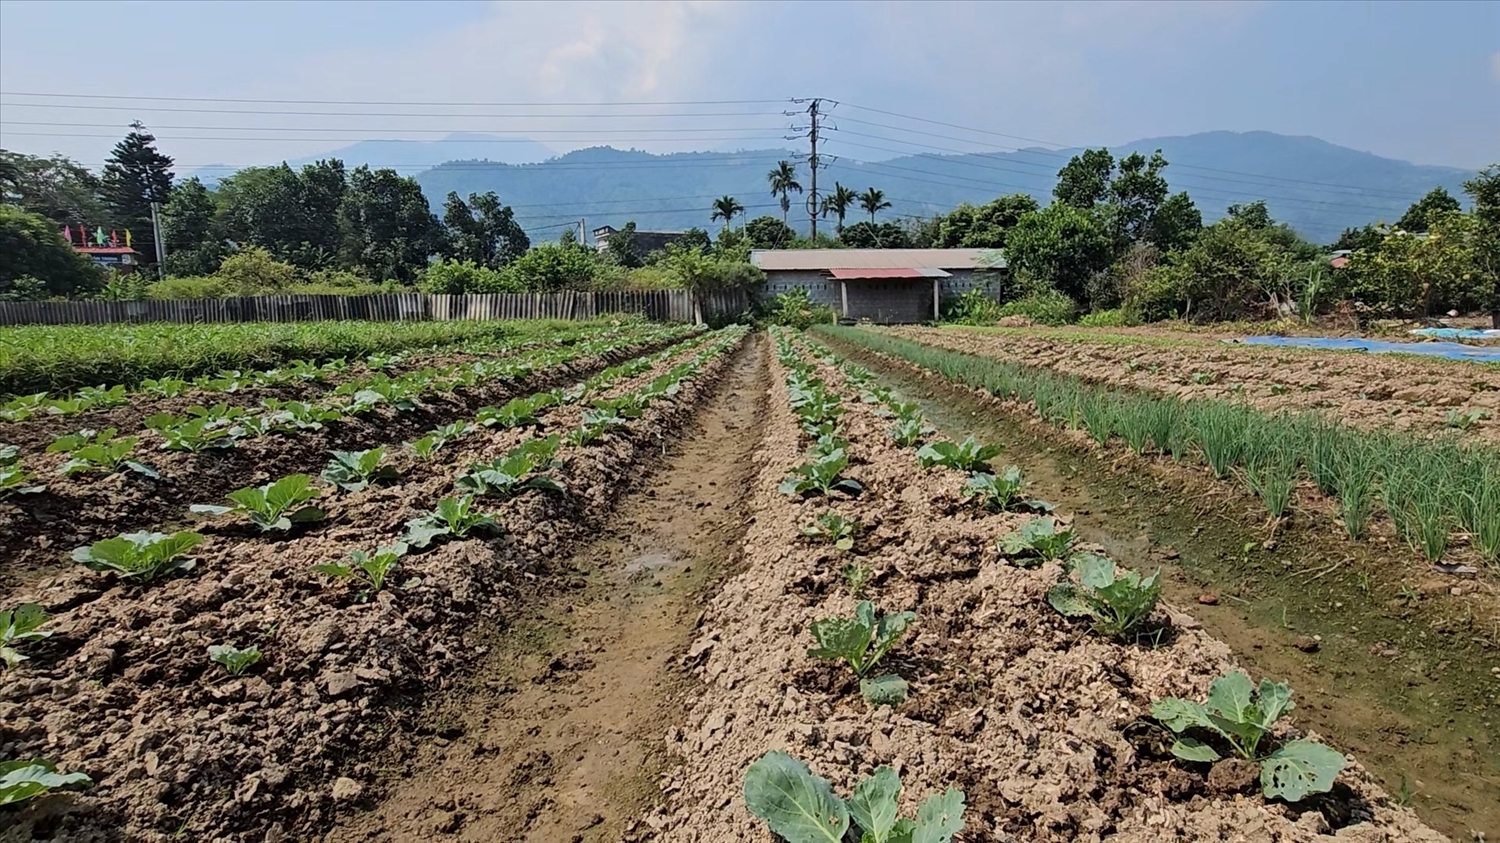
[[187, 224], [292, 215], [1084, 181], [837, 203], [982, 227], [624, 247], [726, 208], [767, 232], [389, 231], [135, 175], [873, 200], [783, 181], [35, 261], [482, 230], [58, 188], [1060, 244], [1484, 191], [1416, 217]]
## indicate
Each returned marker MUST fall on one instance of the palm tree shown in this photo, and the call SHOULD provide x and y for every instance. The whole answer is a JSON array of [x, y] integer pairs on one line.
[[838, 203], [726, 208], [873, 200], [783, 181]]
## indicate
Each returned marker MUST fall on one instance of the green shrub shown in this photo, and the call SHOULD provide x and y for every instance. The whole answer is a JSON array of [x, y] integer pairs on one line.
[[252, 270], [1155, 295], [1044, 307], [972, 307], [796, 309], [449, 276], [1114, 318]]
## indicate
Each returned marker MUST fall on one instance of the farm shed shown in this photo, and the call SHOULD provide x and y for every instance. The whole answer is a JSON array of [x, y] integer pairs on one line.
[[881, 285]]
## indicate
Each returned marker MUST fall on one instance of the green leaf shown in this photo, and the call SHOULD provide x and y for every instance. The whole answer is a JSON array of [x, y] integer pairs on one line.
[[1273, 700], [844, 639], [873, 804], [21, 780], [1231, 695], [940, 817], [1300, 768], [1191, 749], [1180, 715], [1069, 601], [142, 469], [420, 532], [212, 509], [334, 569], [888, 690], [795, 804]]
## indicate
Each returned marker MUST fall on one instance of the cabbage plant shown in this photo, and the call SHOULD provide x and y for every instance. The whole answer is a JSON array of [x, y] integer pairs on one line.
[[799, 807], [967, 455], [275, 506], [1038, 540], [142, 556], [356, 470], [21, 780], [22, 623], [861, 642], [1117, 601]]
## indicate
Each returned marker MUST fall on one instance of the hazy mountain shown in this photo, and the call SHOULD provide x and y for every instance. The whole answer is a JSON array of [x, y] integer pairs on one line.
[[1318, 187], [411, 157]]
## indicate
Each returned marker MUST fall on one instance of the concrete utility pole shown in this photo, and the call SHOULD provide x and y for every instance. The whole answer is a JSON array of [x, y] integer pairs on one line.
[[161, 243], [814, 111]]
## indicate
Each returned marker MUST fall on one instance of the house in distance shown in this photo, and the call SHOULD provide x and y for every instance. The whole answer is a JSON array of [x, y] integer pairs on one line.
[[884, 286], [646, 242]]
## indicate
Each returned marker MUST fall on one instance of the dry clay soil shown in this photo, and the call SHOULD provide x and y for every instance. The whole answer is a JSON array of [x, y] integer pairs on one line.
[[1370, 390]]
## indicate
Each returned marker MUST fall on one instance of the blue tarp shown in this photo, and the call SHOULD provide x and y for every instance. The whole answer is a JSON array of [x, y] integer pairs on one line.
[[1450, 350], [1458, 333]]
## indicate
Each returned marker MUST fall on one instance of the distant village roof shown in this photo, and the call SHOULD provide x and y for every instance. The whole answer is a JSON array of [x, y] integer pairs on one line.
[[824, 259], [875, 273]]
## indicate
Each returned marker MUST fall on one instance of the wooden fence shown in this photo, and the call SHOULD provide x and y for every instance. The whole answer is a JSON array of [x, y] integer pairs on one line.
[[659, 305]]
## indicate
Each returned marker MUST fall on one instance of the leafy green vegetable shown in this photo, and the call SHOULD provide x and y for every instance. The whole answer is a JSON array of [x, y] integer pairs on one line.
[[435, 439], [21, 780], [520, 412], [860, 642], [274, 506], [355, 470], [1242, 715], [452, 517], [372, 568], [1118, 601], [1038, 539], [22, 623], [513, 473], [833, 528], [1001, 492], [968, 455], [908, 432], [821, 476], [9, 455], [142, 556], [799, 807], [295, 415], [234, 660], [15, 480], [193, 435], [89, 451], [856, 575]]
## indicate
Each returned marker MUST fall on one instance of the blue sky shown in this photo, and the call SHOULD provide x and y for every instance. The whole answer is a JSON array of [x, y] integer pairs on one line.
[[1418, 81]]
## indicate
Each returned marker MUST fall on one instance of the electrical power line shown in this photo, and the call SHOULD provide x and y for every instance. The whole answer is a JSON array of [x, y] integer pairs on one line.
[[511, 116], [386, 102], [388, 129]]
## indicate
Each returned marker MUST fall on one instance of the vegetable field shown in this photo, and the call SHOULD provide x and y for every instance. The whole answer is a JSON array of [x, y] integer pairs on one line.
[[602, 582]]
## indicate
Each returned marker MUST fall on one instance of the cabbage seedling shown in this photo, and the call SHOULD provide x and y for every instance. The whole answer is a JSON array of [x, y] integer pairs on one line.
[[452, 517], [193, 435], [508, 476], [1038, 540], [1118, 602], [833, 528], [274, 506], [1000, 492], [372, 568], [435, 439], [89, 451], [1242, 715], [800, 807], [908, 432], [234, 660], [140, 556], [856, 576], [295, 415], [968, 455], [22, 623], [821, 476], [14, 480], [21, 780], [355, 470], [520, 412], [860, 642]]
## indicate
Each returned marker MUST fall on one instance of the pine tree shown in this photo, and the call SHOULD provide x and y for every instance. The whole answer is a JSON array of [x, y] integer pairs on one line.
[[136, 175]]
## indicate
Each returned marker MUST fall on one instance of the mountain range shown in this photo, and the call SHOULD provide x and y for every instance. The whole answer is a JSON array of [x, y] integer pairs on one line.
[[1317, 187]]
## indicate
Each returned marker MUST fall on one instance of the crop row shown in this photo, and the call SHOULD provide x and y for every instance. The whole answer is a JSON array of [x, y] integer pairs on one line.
[[307, 602], [946, 621], [1439, 495], [58, 359]]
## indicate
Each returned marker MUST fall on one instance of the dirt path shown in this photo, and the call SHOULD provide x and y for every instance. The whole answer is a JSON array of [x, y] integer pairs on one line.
[[557, 736]]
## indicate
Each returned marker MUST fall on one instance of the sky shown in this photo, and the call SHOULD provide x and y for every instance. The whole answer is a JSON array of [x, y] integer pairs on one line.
[[1418, 81]]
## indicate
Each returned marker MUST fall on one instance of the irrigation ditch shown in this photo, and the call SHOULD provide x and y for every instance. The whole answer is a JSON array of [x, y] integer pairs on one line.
[[1391, 661]]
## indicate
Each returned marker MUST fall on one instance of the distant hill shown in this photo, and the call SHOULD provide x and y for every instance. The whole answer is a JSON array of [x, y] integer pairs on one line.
[[1318, 187], [411, 157]]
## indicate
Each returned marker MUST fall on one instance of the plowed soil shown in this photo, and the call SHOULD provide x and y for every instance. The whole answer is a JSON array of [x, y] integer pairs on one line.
[[1371, 390], [1044, 725]]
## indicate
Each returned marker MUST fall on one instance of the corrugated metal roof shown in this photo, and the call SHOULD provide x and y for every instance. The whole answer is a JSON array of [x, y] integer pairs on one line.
[[857, 274], [815, 259]]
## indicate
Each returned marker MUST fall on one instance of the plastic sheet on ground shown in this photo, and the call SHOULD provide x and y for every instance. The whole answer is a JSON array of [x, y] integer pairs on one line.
[[1457, 333], [1450, 350]]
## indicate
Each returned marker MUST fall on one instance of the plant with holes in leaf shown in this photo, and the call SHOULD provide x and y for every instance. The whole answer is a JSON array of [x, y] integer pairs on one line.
[[967, 455], [372, 568], [21, 780], [356, 470], [821, 476], [519, 412], [275, 506], [515, 472], [860, 642], [142, 556], [1001, 492], [1038, 540], [910, 428], [834, 529], [856, 576], [800, 807], [1240, 715], [100, 452], [234, 660], [1117, 601], [23, 623], [453, 518]]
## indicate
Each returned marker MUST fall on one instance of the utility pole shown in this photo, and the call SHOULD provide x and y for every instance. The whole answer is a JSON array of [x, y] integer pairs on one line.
[[581, 241], [814, 111], [161, 244]]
